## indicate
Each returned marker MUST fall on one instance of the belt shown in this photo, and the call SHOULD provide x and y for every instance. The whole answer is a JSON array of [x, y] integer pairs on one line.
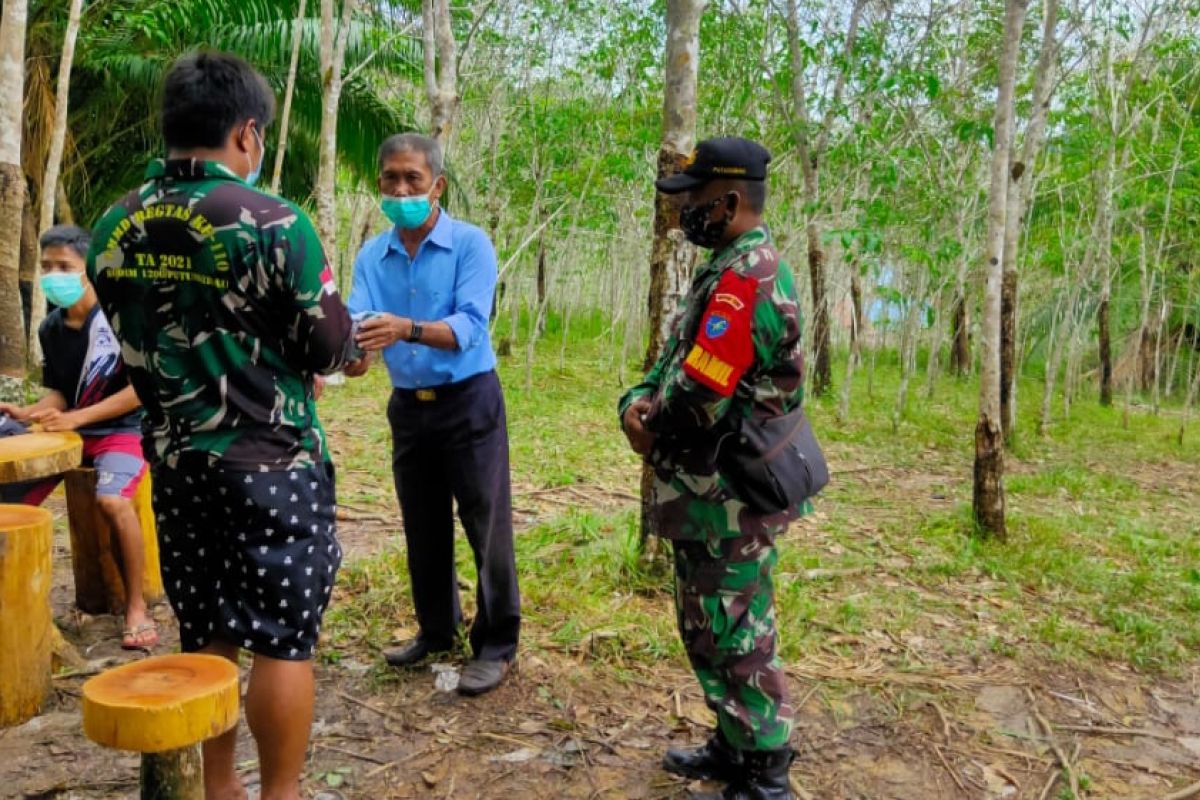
[[436, 394]]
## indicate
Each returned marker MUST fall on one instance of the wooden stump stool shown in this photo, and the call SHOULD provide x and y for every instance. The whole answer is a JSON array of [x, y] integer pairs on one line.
[[164, 707], [96, 551], [26, 632]]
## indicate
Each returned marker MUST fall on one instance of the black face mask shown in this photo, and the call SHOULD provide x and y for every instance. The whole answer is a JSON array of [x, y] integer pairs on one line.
[[698, 228]]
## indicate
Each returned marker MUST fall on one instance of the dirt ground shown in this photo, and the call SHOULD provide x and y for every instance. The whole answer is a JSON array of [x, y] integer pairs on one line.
[[879, 718]]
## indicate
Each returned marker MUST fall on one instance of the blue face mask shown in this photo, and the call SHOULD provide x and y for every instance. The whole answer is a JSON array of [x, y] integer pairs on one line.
[[63, 288], [252, 177], [407, 212]]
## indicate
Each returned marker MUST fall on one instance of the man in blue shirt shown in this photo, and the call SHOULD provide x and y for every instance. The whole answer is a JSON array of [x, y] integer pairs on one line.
[[430, 281]]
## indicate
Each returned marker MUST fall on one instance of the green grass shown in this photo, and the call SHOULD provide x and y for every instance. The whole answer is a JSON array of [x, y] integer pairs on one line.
[[1100, 564]]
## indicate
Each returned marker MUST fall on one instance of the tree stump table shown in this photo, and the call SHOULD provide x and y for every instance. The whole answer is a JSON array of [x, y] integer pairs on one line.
[[163, 707], [27, 634], [38, 455]]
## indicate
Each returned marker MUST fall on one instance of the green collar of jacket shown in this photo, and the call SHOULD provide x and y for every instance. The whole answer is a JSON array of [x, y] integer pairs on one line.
[[722, 259], [188, 169]]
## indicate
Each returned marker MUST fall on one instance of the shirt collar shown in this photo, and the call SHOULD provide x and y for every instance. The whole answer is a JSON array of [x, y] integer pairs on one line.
[[442, 234], [188, 169]]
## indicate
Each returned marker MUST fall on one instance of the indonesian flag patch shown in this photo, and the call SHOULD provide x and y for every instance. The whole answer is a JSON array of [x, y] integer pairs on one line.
[[724, 349], [328, 285]]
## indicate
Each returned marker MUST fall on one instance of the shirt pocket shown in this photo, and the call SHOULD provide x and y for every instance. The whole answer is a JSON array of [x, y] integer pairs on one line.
[[437, 298]]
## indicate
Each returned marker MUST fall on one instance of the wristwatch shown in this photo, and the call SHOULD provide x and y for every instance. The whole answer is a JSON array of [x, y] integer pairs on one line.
[[414, 333]]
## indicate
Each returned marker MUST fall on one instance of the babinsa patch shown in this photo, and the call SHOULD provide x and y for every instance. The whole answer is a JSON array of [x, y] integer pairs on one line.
[[716, 326]]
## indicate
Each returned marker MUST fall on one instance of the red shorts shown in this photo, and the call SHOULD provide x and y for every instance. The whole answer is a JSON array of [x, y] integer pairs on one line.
[[117, 459]]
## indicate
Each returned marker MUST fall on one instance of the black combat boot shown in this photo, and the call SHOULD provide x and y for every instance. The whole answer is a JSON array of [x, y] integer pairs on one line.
[[764, 776], [713, 760]]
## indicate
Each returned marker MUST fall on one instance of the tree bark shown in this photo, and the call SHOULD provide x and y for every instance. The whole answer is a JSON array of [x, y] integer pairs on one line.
[[12, 185], [441, 68], [49, 193], [286, 118], [173, 775], [989, 450], [1008, 339], [822, 380], [672, 257], [1106, 365], [332, 57], [1021, 173], [29, 258], [960, 349], [856, 302]]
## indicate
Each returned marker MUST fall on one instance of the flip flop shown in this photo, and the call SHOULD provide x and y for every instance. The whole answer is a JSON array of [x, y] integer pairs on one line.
[[140, 637]]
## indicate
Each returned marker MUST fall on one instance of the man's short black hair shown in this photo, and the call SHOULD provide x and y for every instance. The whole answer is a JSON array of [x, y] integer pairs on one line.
[[755, 193], [72, 236], [207, 94]]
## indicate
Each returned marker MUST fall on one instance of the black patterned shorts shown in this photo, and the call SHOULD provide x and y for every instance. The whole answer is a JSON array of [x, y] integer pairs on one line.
[[248, 557]]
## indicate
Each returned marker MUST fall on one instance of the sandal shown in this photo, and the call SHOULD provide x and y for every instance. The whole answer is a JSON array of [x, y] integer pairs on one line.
[[140, 637]]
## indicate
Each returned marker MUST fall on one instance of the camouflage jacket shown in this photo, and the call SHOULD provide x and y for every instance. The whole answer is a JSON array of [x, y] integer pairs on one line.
[[225, 308], [734, 353]]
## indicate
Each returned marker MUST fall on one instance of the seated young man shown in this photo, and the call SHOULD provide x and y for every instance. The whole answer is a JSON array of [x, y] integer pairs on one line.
[[90, 393]]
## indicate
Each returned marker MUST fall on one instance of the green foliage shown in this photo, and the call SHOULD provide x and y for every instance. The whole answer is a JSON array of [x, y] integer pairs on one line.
[[126, 46]]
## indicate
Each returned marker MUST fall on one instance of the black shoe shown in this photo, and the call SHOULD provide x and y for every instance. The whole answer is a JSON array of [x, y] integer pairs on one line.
[[480, 677], [764, 776], [411, 652], [713, 760]]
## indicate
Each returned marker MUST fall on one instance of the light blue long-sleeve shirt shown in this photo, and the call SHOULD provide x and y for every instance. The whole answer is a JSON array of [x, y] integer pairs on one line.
[[452, 279]]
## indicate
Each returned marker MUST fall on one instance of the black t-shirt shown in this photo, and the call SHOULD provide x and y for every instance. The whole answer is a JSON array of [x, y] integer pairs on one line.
[[85, 366]]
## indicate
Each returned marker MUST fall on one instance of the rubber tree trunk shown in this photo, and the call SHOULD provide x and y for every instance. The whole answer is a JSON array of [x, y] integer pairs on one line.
[[1019, 191], [49, 193], [856, 324], [822, 379], [334, 34], [441, 71], [672, 258], [1106, 365], [1106, 215], [289, 91], [989, 445], [960, 348], [29, 257], [12, 185]]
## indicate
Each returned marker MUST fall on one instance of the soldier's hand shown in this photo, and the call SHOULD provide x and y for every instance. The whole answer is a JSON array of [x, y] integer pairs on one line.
[[318, 386], [383, 331], [640, 439], [358, 367]]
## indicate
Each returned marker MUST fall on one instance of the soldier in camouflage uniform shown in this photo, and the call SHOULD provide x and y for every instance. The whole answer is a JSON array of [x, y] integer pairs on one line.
[[227, 312], [734, 353]]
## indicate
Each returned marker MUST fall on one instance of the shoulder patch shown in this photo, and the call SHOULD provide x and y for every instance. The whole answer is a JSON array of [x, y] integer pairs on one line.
[[724, 349]]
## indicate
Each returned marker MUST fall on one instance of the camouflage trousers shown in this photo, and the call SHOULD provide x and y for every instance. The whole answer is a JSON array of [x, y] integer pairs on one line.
[[725, 603]]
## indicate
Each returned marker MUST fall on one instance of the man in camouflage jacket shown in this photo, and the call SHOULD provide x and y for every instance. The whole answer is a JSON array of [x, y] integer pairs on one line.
[[733, 354], [227, 313]]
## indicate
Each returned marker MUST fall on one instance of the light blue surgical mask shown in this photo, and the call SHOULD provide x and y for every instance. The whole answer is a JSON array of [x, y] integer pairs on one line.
[[407, 212], [63, 288], [252, 177]]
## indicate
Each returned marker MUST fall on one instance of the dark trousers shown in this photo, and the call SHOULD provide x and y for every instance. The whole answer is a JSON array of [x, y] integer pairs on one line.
[[453, 447]]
